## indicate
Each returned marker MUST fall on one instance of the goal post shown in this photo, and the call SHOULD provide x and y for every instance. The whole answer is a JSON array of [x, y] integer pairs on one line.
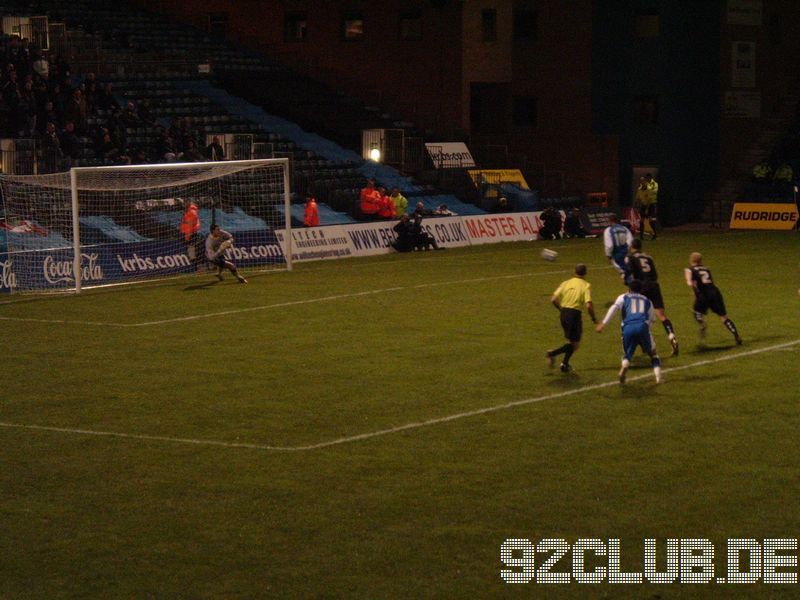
[[97, 226]]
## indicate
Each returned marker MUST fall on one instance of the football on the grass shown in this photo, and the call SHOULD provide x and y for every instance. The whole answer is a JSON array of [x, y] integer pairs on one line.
[[550, 255]]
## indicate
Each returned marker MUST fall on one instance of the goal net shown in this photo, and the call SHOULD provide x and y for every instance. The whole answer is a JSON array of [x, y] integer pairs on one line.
[[97, 226]]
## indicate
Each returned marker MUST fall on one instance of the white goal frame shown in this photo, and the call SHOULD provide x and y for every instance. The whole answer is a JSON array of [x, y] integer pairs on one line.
[[74, 192]]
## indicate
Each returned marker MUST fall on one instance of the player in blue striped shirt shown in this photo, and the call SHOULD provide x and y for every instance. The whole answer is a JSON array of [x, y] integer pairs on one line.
[[616, 240], [637, 315]]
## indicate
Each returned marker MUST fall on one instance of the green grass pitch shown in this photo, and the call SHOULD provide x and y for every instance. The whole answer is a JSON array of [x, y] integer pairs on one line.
[[322, 433]]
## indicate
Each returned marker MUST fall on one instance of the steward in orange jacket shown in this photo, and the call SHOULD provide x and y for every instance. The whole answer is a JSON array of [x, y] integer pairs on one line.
[[190, 223], [311, 216], [370, 200], [190, 228], [386, 210]]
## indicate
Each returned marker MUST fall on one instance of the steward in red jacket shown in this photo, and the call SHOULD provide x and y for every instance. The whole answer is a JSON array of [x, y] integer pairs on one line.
[[311, 216], [386, 210], [370, 200]]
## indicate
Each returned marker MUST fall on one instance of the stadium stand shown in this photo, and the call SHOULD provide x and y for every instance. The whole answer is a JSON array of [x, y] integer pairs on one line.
[[97, 229], [143, 101], [19, 236], [235, 219]]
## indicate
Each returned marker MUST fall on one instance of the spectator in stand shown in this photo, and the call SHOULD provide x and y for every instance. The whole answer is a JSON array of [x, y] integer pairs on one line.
[[145, 113], [125, 157], [75, 111], [48, 115], [573, 228], [12, 48], [191, 154], [400, 202], [11, 94], [404, 230], [215, 151], [41, 93], [311, 215], [91, 97], [24, 62], [57, 98], [105, 147], [16, 57], [386, 208], [443, 211], [26, 110], [370, 200], [105, 97], [50, 148], [175, 128], [137, 155], [116, 128], [501, 206], [63, 71], [129, 116], [40, 65], [165, 147], [186, 133], [420, 211], [70, 143], [551, 224]]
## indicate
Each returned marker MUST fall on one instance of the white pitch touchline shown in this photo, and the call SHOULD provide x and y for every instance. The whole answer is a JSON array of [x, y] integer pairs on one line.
[[406, 427], [236, 311]]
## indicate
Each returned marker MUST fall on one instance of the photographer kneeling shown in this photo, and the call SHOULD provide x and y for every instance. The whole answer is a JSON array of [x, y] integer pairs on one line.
[[405, 235], [423, 240]]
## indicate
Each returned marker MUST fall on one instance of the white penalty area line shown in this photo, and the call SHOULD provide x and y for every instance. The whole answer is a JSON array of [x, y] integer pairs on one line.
[[238, 311], [392, 430]]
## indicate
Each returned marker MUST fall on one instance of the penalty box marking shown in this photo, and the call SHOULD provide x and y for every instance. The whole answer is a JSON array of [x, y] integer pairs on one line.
[[391, 430], [236, 311]]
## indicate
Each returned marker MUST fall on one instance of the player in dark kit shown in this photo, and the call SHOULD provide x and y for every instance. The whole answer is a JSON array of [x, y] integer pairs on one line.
[[641, 267], [707, 295]]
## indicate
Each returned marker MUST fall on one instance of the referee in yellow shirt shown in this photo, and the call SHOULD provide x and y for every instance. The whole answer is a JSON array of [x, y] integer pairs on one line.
[[570, 298]]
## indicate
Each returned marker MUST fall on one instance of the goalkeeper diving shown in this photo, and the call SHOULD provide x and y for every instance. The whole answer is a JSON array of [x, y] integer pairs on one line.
[[217, 242]]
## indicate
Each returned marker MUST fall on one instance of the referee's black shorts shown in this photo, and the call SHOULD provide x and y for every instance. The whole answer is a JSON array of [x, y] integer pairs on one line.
[[572, 324], [652, 291]]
